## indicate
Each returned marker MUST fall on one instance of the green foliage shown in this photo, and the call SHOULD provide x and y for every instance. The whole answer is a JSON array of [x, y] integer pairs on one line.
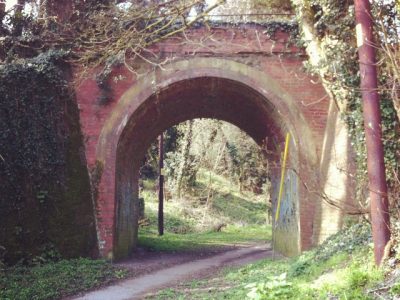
[[395, 235], [390, 132], [29, 141], [275, 287], [53, 280], [395, 289], [301, 265], [345, 241], [358, 278]]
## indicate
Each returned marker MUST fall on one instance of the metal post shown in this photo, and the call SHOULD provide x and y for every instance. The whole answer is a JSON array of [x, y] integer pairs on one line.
[[373, 131], [161, 185]]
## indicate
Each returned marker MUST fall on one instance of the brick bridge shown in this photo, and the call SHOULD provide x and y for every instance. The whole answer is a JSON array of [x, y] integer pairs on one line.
[[239, 75]]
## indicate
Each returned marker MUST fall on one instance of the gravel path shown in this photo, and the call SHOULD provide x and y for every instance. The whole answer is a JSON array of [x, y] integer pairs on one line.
[[165, 270]]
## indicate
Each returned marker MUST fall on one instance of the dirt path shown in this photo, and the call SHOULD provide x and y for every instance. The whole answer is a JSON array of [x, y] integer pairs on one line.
[[162, 275]]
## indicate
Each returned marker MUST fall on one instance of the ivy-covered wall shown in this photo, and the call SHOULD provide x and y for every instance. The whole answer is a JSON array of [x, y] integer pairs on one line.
[[45, 200]]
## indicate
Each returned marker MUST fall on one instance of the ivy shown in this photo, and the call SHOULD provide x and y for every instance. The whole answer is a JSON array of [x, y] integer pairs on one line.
[[30, 146], [334, 24], [39, 145]]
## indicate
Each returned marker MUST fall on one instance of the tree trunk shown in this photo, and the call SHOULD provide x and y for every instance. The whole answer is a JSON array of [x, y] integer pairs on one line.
[[184, 157]]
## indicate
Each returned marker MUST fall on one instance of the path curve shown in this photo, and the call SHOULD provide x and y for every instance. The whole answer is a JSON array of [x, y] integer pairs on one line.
[[136, 288]]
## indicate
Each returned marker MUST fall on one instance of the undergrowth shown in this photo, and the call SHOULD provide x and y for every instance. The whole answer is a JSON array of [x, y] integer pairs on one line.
[[342, 243]]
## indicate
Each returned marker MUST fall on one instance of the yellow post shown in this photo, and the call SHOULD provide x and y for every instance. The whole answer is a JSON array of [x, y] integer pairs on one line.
[[285, 154]]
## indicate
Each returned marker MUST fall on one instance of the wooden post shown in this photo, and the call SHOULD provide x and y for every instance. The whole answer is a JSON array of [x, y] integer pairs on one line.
[[161, 185]]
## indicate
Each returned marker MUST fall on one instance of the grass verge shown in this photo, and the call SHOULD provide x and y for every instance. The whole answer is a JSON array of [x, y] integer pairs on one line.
[[54, 280]]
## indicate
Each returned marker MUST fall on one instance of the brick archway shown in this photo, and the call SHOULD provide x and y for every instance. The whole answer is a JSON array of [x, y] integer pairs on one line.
[[199, 87]]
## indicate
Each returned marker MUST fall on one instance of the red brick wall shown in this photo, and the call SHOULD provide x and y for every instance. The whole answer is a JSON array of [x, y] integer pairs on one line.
[[298, 104]]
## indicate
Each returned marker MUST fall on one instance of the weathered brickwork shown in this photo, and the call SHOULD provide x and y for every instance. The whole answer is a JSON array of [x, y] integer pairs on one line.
[[238, 75]]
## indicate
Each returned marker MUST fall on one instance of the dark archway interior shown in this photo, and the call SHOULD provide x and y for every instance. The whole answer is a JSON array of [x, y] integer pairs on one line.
[[204, 97]]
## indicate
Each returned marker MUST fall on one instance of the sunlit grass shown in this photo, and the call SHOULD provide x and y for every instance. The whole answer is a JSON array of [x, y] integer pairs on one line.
[[231, 235], [341, 274], [228, 217]]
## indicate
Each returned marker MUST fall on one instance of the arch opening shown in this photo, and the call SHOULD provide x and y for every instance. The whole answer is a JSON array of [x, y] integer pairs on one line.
[[214, 176], [200, 97]]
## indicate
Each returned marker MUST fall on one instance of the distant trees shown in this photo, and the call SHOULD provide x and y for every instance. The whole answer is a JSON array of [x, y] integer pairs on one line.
[[213, 146]]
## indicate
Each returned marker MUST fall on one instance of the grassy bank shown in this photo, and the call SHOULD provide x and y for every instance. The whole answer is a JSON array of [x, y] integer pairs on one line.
[[215, 213]]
